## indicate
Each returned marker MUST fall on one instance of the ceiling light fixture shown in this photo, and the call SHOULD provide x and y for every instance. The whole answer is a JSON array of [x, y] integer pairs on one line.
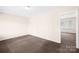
[[27, 7]]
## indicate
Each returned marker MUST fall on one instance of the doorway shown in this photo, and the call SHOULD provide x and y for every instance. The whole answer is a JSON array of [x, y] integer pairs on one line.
[[68, 32]]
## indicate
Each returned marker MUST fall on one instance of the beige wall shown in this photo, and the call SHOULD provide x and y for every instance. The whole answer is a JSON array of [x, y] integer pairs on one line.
[[12, 26]]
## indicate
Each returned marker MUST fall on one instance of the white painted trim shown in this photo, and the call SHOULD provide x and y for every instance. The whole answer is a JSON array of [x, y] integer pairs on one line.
[[13, 37], [77, 46], [59, 28], [43, 38]]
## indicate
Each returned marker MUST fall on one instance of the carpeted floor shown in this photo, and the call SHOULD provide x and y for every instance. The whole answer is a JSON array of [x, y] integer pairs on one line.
[[32, 44]]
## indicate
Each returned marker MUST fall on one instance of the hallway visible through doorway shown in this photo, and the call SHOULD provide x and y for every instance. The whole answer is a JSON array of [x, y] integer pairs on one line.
[[68, 31]]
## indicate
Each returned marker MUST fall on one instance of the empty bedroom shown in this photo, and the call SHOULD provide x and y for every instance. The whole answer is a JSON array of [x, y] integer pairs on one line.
[[39, 29]]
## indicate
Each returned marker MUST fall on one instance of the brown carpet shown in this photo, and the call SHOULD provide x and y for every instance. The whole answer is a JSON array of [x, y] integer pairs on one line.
[[32, 44]]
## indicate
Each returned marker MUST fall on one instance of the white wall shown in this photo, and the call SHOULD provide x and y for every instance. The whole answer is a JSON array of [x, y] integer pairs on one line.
[[68, 22], [44, 26], [69, 25], [12, 26], [44, 23], [47, 25]]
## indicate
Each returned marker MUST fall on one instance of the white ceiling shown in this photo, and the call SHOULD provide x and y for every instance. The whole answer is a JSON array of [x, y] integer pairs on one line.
[[21, 11]]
